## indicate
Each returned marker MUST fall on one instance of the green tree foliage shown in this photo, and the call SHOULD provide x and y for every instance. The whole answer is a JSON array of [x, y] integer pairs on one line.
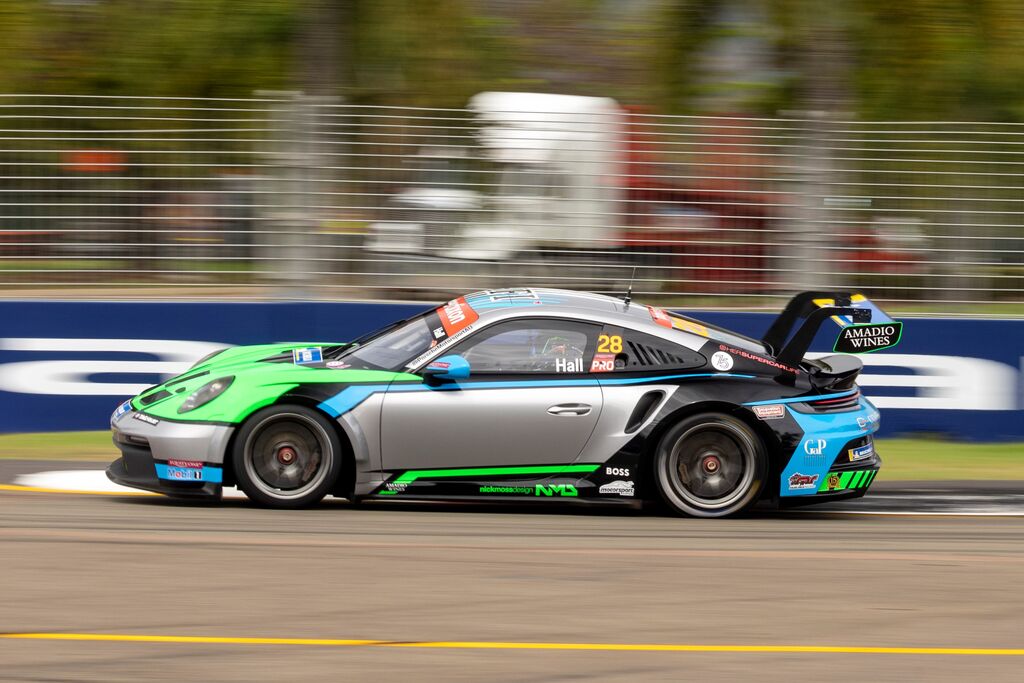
[[684, 28], [957, 59], [911, 59], [391, 51], [197, 48], [436, 53], [905, 59]]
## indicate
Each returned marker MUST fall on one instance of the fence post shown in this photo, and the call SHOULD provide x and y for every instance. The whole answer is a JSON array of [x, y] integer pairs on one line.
[[808, 263], [284, 248]]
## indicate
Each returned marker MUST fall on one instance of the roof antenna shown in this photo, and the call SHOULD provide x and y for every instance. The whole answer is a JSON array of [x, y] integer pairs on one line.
[[629, 290]]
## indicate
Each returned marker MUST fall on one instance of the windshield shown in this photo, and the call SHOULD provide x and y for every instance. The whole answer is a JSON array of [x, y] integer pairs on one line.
[[391, 347]]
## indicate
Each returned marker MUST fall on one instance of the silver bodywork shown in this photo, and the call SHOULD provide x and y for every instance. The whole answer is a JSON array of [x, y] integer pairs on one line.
[[481, 427], [177, 440]]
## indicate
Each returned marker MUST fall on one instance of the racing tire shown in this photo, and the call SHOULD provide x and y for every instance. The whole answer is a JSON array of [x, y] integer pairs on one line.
[[287, 456], [710, 465]]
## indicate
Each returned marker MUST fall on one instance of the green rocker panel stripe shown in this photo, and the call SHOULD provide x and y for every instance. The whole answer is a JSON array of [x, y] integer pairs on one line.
[[410, 476], [839, 481]]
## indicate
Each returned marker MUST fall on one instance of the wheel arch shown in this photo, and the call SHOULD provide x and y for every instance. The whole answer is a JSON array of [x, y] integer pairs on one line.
[[769, 439], [346, 479]]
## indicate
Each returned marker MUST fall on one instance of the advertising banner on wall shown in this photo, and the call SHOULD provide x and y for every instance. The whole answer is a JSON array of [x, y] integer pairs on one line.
[[64, 366]]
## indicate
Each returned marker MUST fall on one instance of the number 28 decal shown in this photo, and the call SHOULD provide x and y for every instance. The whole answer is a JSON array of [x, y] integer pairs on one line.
[[609, 343]]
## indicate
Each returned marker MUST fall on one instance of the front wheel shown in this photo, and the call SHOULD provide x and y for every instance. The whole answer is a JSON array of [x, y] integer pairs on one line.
[[287, 457], [710, 465]]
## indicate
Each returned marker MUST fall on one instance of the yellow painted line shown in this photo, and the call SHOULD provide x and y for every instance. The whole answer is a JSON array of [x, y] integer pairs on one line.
[[495, 645], [41, 489]]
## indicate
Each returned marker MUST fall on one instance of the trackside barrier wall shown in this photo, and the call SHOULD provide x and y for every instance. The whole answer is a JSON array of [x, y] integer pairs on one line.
[[65, 366]]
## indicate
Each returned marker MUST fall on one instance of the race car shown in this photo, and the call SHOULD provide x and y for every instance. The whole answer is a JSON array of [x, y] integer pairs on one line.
[[524, 395]]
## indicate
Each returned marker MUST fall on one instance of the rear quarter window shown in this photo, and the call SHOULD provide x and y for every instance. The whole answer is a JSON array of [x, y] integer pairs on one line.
[[624, 350]]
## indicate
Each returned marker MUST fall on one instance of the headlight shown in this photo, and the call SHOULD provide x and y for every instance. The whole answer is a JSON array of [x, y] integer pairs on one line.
[[205, 394]]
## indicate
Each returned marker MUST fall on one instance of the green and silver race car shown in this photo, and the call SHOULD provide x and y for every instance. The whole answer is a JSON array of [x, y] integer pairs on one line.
[[527, 395]]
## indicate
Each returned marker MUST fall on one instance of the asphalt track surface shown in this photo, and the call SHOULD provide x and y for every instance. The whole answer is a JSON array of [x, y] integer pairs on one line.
[[467, 592]]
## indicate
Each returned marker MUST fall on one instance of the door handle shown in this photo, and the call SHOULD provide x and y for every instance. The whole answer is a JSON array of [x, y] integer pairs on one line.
[[570, 409]]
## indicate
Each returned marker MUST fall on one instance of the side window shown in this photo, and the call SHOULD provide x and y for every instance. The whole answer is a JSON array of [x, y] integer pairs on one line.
[[531, 346], [624, 350]]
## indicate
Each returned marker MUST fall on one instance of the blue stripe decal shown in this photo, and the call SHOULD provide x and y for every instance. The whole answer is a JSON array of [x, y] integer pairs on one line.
[[800, 399], [214, 475], [350, 397]]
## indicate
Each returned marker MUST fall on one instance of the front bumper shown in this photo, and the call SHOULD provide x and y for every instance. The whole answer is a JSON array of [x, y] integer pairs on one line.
[[138, 470], [174, 458]]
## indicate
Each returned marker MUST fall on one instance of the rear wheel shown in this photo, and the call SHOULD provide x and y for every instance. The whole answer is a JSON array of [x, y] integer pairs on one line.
[[287, 457], [710, 465]]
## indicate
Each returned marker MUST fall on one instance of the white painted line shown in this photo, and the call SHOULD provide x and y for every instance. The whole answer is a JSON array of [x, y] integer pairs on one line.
[[92, 481]]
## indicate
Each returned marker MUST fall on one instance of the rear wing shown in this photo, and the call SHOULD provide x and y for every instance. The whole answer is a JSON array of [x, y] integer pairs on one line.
[[865, 326]]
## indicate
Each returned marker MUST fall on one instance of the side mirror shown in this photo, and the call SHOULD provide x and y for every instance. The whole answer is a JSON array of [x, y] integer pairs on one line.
[[446, 369]]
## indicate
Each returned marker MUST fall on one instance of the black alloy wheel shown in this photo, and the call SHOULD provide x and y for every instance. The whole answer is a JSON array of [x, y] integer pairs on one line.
[[287, 457], [710, 465]]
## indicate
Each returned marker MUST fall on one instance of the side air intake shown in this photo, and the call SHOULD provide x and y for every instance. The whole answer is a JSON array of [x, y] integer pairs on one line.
[[644, 408]]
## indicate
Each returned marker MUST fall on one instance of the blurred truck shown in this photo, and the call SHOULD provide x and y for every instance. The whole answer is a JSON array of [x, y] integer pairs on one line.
[[582, 181]]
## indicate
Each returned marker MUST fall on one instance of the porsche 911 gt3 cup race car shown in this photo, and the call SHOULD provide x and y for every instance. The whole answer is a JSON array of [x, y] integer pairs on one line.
[[526, 395]]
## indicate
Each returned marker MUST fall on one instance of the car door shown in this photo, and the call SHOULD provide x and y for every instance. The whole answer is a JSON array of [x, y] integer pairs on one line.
[[528, 401], [638, 374]]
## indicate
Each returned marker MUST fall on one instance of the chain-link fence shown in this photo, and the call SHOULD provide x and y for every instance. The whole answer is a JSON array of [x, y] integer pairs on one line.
[[284, 196]]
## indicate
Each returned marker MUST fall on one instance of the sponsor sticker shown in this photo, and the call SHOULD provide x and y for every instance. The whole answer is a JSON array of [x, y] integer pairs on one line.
[[770, 412], [721, 361], [439, 365], [757, 359], [184, 473], [565, 490], [439, 346], [832, 481], [121, 410], [148, 419], [869, 421], [619, 487], [522, 490], [188, 470], [337, 364], [665, 320], [456, 315], [691, 327], [603, 362], [868, 337], [815, 446], [190, 464], [802, 481], [660, 317], [617, 471], [312, 354], [510, 296], [865, 451]]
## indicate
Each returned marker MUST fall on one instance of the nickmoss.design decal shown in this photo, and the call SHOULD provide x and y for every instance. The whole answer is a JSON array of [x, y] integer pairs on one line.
[[401, 482]]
